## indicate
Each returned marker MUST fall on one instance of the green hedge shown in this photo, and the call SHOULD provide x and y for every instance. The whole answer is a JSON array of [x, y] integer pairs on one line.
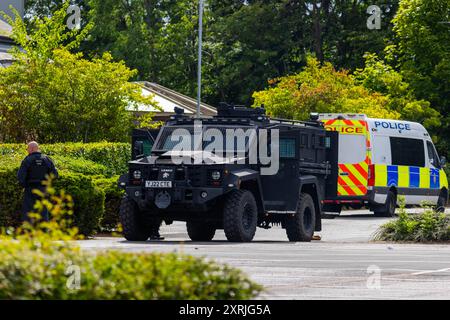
[[89, 172], [113, 197], [10, 196], [113, 156], [83, 166], [89, 199]]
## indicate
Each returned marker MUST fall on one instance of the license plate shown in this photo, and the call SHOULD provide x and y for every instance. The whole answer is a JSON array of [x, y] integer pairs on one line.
[[158, 184]]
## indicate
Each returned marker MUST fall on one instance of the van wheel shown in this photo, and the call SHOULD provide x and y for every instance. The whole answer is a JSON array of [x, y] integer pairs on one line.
[[442, 203], [134, 228], [200, 231], [388, 209], [240, 216], [300, 227]]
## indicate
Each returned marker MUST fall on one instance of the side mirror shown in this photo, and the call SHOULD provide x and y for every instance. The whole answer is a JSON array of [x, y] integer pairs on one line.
[[443, 161], [138, 149]]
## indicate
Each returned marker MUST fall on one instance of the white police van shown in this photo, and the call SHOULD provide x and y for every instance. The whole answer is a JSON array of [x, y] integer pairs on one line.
[[380, 160]]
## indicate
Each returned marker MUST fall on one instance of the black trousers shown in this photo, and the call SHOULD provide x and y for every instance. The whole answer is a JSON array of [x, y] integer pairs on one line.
[[29, 200]]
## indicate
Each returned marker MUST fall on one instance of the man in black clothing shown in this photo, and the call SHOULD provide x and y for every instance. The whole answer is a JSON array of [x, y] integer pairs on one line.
[[34, 170]]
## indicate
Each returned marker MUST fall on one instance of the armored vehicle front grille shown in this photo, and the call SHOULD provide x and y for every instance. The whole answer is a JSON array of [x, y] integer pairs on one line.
[[196, 176], [153, 174], [180, 175]]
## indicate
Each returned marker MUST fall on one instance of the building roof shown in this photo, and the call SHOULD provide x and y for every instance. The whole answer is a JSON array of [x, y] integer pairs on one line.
[[5, 29], [168, 99], [5, 44]]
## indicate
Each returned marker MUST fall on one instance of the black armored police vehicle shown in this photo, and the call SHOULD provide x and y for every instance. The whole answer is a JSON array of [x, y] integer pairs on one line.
[[236, 171]]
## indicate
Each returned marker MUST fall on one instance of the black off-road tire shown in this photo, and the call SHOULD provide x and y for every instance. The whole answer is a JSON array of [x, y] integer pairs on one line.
[[388, 210], [442, 202], [134, 228], [240, 216], [200, 231], [301, 226]]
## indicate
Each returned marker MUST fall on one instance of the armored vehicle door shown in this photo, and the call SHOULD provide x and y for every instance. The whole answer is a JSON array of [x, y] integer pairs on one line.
[[332, 154], [280, 191], [142, 142]]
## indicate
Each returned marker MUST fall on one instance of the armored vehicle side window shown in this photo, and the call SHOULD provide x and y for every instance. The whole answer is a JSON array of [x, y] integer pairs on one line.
[[142, 148], [407, 152], [148, 145], [287, 148]]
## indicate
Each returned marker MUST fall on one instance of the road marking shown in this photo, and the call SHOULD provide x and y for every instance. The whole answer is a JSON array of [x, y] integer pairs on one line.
[[430, 271]]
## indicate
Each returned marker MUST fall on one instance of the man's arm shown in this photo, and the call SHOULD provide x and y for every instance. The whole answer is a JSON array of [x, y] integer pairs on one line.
[[23, 172], [52, 168]]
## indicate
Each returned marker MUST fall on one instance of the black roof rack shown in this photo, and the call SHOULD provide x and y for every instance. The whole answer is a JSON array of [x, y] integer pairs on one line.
[[298, 122], [226, 110], [229, 113]]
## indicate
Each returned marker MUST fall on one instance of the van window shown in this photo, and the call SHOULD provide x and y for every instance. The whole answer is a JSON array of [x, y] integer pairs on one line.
[[432, 155], [352, 148], [407, 152]]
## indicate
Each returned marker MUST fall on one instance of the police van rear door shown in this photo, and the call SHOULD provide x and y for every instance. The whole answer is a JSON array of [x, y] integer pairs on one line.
[[354, 156]]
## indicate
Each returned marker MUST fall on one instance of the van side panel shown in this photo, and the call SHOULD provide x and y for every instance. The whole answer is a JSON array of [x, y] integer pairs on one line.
[[416, 184], [381, 175], [424, 178], [403, 177], [443, 180]]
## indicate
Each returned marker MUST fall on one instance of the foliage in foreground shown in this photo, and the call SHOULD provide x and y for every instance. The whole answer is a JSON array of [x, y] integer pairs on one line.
[[428, 226], [39, 262]]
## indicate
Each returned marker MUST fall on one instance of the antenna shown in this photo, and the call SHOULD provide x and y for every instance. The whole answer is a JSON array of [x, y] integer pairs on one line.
[[200, 44]]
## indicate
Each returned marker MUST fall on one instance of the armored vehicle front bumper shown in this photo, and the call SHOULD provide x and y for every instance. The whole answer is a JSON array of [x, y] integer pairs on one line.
[[176, 198]]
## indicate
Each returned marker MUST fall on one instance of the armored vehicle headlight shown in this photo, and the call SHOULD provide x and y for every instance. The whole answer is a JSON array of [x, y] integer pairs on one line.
[[137, 174], [215, 175]]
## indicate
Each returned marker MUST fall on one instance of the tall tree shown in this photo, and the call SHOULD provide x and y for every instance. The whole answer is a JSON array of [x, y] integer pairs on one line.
[[422, 53], [54, 95]]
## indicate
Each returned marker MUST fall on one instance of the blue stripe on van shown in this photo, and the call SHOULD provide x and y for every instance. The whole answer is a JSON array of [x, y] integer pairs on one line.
[[392, 176], [414, 177], [434, 179]]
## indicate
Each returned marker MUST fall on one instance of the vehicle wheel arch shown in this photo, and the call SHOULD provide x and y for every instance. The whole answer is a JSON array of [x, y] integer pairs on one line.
[[311, 189], [444, 191], [254, 187], [394, 190]]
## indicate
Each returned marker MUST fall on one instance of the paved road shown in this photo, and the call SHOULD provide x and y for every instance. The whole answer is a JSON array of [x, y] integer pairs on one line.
[[343, 265]]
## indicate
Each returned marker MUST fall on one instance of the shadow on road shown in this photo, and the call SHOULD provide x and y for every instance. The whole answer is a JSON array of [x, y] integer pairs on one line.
[[360, 216], [211, 243]]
